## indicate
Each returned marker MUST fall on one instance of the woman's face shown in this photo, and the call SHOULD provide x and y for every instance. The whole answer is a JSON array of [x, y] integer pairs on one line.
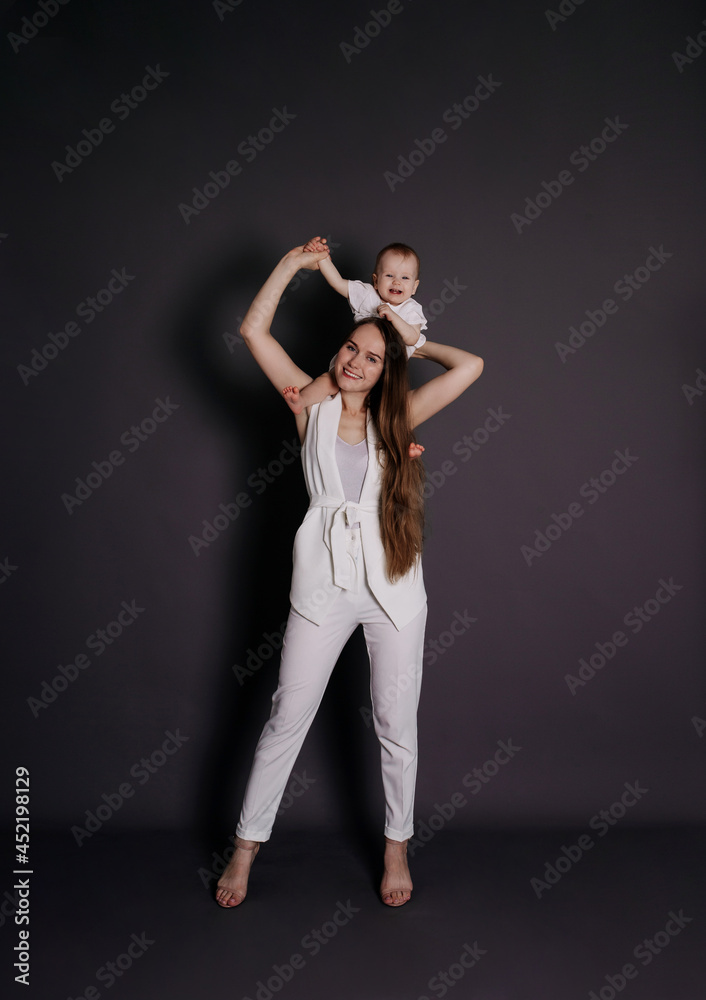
[[359, 363]]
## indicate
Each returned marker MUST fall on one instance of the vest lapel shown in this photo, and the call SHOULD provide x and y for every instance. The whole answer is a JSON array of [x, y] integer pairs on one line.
[[327, 422]]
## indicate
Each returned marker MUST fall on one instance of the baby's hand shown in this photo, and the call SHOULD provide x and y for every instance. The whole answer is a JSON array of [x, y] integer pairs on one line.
[[385, 311], [316, 244]]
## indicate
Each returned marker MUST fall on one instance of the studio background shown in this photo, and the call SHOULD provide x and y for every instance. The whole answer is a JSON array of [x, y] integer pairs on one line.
[[511, 260]]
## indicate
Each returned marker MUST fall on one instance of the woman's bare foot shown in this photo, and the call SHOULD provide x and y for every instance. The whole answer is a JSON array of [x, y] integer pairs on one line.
[[233, 883], [396, 886], [415, 450], [291, 398]]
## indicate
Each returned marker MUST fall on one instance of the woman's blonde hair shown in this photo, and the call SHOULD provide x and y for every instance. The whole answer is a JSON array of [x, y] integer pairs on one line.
[[401, 498]]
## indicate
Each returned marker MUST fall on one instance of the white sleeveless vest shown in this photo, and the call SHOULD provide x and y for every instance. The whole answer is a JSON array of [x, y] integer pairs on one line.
[[320, 558]]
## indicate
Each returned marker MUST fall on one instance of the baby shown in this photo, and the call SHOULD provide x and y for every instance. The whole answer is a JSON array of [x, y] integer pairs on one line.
[[395, 281]]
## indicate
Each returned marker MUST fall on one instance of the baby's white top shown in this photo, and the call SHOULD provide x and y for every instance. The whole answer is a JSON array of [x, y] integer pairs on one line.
[[364, 301]]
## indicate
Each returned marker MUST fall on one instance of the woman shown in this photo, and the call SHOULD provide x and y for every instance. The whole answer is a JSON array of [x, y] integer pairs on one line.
[[357, 560]]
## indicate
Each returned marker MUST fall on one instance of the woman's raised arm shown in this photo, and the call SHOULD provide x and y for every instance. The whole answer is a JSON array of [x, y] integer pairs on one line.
[[462, 369], [255, 328]]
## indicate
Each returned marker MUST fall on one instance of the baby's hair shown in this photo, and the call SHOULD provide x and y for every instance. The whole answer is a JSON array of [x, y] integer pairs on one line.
[[402, 249]]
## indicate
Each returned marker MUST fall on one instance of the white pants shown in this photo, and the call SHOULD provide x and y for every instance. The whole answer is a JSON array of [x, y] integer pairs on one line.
[[309, 654]]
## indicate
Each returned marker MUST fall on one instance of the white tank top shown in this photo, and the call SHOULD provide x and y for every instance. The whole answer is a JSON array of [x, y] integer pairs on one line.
[[352, 462]]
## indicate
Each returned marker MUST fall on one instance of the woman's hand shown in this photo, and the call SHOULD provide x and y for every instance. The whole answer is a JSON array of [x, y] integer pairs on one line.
[[308, 259]]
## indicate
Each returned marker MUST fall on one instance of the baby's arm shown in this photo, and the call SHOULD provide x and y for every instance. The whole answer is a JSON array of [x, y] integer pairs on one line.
[[327, 266], [409, 333], [315, 392]]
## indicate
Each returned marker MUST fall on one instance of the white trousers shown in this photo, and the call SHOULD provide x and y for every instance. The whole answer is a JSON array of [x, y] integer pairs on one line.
[[309, 654]]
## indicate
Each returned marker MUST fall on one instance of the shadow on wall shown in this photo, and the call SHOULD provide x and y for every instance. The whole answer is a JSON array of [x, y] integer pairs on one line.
[[260, 427]]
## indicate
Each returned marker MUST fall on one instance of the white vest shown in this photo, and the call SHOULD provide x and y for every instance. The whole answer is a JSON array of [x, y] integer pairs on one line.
[[321, 568]]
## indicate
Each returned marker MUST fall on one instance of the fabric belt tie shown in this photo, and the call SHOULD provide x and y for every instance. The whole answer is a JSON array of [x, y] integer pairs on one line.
[[345, 512]]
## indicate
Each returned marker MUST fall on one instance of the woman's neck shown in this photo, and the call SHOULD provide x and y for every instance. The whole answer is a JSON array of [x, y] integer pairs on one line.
[[352, 404]]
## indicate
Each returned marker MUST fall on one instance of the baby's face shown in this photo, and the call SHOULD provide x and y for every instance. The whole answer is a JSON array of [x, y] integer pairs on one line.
[[397, 278]]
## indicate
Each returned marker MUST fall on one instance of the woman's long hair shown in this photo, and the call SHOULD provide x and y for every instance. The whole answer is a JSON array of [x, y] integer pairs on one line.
[[401, 498]]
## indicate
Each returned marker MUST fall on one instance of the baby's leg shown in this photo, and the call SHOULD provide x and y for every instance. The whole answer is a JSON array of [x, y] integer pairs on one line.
[[323, 386], [415, 450]]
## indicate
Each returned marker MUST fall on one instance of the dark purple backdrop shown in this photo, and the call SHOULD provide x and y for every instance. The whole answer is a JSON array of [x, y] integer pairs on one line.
[[359, 156]]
